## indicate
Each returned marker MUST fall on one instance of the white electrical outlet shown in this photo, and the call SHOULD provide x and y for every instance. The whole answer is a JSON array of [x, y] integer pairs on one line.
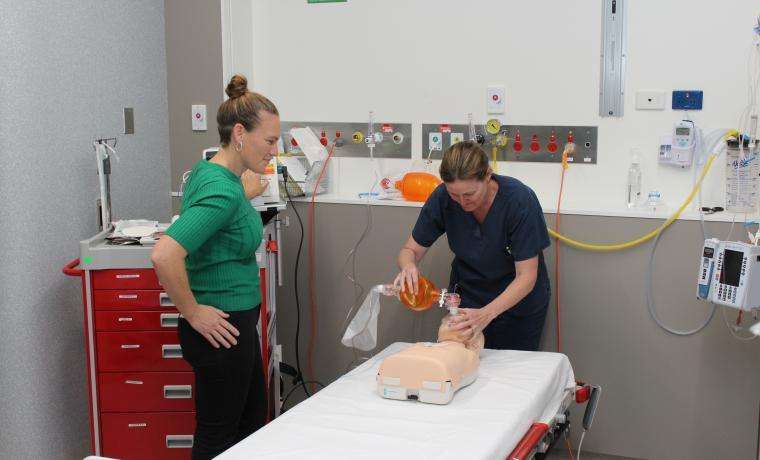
[[650, 100], [495, 98], [435, 141]]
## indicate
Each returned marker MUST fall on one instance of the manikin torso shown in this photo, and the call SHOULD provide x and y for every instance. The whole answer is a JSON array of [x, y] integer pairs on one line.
[[432, 372]]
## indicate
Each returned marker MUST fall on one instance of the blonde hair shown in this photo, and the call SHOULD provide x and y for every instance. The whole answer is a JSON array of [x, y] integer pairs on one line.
[[242, 107], [464, 160]]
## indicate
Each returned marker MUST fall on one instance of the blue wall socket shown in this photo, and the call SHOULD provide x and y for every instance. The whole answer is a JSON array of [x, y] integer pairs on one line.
[[687, 100]]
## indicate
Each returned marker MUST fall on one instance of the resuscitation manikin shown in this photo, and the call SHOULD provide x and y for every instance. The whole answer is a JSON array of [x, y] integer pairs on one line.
[[432, 372]]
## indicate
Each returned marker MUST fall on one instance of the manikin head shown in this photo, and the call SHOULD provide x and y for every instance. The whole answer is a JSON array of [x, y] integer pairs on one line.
[[445, 334]]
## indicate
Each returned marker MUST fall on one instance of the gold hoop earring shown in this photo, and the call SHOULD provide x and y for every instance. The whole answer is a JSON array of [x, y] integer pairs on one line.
[[239, 147]]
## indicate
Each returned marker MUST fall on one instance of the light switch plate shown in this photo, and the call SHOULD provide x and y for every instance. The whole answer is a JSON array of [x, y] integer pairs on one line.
[[650, 100], [199, 118], [129, 120]]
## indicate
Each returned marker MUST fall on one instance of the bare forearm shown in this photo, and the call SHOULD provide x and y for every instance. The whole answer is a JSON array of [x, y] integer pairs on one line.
[[520, 287], [405, 257], [173, 277]]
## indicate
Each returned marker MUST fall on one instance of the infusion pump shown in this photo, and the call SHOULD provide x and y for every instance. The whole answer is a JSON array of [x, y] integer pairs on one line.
[[729, 274]]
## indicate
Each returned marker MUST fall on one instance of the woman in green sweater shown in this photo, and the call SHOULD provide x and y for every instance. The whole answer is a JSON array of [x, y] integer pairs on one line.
[[206, 262]]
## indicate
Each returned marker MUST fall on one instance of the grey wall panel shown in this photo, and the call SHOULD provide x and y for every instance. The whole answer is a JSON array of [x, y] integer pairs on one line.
[[194, 69], [664, 396], [68, 69]]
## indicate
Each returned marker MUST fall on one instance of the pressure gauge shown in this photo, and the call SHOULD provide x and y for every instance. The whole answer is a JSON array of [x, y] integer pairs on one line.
[[493, 126]]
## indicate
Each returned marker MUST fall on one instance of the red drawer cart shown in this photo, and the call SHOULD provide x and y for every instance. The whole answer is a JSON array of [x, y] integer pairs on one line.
[[140, 389]]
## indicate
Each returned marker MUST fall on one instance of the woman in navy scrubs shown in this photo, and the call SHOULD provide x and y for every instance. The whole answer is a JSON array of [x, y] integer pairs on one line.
[[496, 229]]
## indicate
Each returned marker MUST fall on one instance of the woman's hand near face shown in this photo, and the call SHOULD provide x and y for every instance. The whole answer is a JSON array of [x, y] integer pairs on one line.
[[253, 185]]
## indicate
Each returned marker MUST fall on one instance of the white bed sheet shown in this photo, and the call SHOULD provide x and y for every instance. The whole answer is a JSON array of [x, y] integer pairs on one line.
[[486, 420]]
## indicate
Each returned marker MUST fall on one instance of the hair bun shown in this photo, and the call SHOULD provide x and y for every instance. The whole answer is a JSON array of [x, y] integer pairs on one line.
[[237, 87]]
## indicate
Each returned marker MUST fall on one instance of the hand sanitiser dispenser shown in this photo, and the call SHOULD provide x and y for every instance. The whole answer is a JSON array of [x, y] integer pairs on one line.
[[728, 274]]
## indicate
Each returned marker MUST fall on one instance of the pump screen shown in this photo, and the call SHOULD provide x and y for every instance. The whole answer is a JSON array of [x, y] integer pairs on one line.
[[732, 267]]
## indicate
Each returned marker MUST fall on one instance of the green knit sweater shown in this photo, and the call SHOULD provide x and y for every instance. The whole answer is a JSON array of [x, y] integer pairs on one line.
[[220, 231]]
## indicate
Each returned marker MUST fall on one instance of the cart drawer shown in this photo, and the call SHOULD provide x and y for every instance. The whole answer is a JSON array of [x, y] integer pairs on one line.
[[147, 391], [137, 299], [136, 321], [140, 351], [148, 436], [125, 278]]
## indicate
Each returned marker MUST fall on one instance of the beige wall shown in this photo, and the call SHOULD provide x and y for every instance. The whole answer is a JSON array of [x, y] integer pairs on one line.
[[194, 75], [663, 396]]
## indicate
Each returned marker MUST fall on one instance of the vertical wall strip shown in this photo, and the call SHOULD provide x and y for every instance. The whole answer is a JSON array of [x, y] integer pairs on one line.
[[613, 58]]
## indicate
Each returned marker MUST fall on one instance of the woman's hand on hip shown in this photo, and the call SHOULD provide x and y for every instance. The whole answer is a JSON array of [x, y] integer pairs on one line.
[[471, 321], [210, 322], [407, 279]]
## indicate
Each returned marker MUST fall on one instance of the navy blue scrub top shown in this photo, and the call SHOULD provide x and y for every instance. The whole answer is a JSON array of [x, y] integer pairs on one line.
[[485, 254]]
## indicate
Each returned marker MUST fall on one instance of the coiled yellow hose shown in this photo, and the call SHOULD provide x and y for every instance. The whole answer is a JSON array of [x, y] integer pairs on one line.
[[642, 239]]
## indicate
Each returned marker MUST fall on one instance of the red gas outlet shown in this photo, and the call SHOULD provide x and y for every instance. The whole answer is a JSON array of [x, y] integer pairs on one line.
[[534, 145]]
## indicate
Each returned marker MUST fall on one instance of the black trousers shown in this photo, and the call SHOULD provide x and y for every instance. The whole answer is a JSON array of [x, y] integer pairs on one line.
[[513, 332], [230, 396]]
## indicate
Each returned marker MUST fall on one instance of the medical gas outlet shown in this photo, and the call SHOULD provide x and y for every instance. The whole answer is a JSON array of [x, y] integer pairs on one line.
[[435, 142], [516, 143], [352, 139]]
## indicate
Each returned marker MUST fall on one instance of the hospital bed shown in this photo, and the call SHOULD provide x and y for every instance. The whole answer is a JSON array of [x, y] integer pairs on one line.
[[515, 409]]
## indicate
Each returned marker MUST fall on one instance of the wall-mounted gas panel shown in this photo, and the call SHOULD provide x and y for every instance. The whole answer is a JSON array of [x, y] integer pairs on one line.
[[524, 143], [392, 140]]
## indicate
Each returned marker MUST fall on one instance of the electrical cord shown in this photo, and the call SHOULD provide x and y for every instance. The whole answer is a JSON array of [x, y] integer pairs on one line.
[[651, 304], [569, 149], [351, 257], [734, 329], [312, 267], [580, 443], [569, 447], [290, 392], [299, 377], [650, 270], [587, 426]]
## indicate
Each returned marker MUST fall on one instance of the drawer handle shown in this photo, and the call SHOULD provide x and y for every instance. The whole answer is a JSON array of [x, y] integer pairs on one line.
[[171, 351], [127, 296], [138, 425], [129, 346], [169, 319], [164, 300], [128, 277], [133, 382], [178, 392], [179, 441], [125, 319]]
